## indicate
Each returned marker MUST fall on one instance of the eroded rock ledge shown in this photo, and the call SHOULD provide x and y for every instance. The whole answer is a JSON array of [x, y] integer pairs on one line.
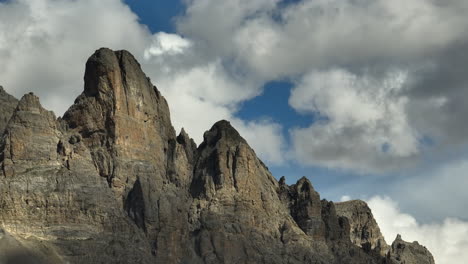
[[111, 182]]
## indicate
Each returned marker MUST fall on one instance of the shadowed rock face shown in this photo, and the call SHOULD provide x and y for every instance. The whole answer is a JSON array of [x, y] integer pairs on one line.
[[304, 205], [8, 104], [110, 182]]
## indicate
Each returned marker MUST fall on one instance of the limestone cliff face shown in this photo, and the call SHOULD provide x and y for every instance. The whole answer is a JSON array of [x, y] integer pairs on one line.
[[111, 182]]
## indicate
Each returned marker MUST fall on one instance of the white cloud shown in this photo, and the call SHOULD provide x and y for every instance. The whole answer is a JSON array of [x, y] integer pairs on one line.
[[266, 139], [447, 241], [364, 116], [384, 47], [345, 198], [275, 41], [167, 44], [213, 23]]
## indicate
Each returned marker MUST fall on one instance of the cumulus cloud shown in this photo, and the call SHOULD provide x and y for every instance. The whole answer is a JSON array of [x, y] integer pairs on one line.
[[261, 135], [381, 72], [364, 116], [447, 241], [167, 44], [213, 24], [292, 38]]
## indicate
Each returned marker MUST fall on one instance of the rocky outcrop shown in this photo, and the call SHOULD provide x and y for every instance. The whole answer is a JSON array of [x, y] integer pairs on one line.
[[110, 182], [30, 138], [236, 209], [402, 252], [8, 104], [51, 193], [124, 121], [364, 231]]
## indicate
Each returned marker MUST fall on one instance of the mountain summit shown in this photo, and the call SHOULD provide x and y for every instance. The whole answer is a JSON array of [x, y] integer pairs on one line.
[[111, 182]]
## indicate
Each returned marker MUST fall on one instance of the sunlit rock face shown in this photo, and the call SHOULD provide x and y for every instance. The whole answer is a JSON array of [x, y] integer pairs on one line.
[[364, 231], [111, 182]]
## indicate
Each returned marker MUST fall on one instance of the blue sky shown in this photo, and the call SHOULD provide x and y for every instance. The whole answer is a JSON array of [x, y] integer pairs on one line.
[[157, 14], [365, 98]]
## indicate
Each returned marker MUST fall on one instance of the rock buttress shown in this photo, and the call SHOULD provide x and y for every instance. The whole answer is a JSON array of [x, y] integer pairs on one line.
[[124, 121], [304, 205], [55, 205]]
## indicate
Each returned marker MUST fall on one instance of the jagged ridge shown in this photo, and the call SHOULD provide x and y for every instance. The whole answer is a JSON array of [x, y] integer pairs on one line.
[[110, 182]]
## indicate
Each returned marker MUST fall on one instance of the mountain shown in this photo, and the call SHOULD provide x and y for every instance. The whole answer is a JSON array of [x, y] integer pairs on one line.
[[112, 182]]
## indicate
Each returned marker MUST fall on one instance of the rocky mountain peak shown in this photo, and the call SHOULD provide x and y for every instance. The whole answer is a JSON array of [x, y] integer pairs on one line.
[[30, 102], [189, 145], [364, 231], [115, 86], [30, 136], [107, 71], [222, 131], [226, 162], [305, 206], [111, 182], [402, 252], [121, 116]]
